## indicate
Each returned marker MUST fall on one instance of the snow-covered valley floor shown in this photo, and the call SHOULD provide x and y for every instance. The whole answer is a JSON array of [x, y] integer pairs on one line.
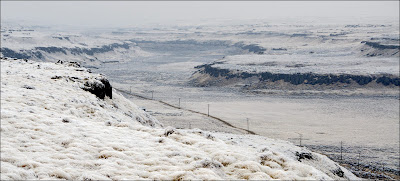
[[53, 129]]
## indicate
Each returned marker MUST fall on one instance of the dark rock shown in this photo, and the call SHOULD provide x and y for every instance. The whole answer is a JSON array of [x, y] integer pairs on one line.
[[168, 131], [28, 87], [100, 88], [66, 120], [338, 172], [279, 49], [74, 64], [56, 77], [108, 88], [301, 156]]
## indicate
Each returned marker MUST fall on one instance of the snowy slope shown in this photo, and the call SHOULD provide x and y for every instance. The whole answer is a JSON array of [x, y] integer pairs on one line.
[[50, 46], [53, 129], [292, 64]]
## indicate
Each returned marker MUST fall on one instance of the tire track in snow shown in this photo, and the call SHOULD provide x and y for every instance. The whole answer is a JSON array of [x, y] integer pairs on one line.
[[192, 111]]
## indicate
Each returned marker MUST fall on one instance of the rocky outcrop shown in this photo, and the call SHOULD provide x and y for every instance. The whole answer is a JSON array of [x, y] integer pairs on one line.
[[100, 87], [380, 46], [300, 78], [301, 156], [373, 49]]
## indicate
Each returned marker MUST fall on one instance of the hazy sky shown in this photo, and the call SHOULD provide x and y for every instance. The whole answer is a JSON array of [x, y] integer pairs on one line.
[[131, 13]]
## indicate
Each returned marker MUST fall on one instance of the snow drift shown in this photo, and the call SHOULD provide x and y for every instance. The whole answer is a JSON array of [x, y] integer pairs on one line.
[[51, 128]]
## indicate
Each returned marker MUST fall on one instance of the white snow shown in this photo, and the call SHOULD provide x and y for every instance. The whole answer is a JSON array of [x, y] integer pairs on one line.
[[52, 129], [311, 63], [27, 41], [333, 44]]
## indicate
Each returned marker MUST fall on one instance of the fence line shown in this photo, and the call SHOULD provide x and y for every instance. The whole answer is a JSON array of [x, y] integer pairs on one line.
[[230, 125], [192, 111]]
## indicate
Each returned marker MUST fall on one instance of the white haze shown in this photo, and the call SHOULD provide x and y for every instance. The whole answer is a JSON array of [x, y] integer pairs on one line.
[[138, 13]]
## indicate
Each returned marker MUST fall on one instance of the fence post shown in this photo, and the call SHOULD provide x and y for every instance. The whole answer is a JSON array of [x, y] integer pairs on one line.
[[341, 150], [301, 136], [179, 103], [248, 128], [208, 112]]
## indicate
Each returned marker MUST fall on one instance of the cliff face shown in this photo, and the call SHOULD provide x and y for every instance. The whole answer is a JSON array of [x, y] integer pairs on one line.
[[208, 75], [301, 78]]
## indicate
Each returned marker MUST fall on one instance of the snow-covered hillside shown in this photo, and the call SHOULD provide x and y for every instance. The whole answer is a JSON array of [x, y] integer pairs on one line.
[[308, 40], [78, 47], [51, 128], [302, 72]]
